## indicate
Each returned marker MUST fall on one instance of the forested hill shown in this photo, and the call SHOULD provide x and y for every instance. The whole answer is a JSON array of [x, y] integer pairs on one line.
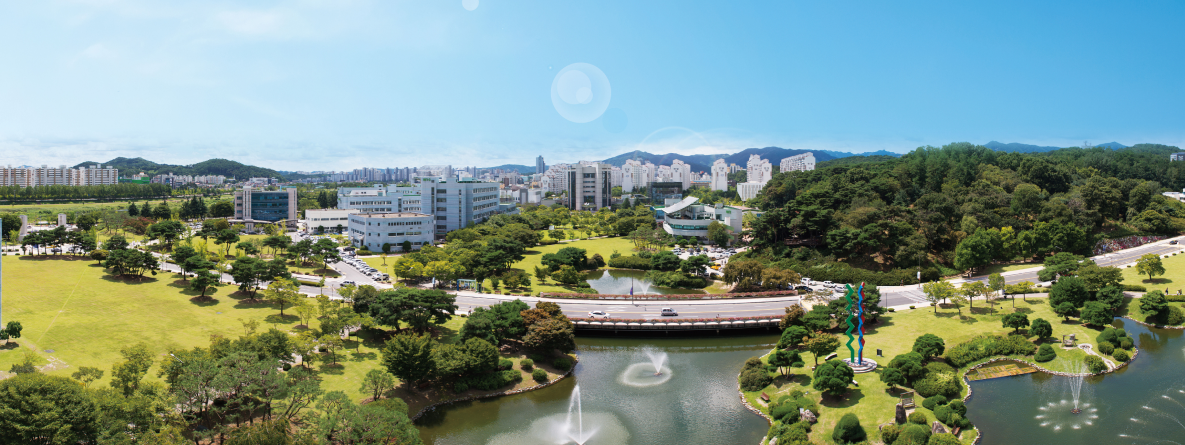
[[224, 167], [965, 205]]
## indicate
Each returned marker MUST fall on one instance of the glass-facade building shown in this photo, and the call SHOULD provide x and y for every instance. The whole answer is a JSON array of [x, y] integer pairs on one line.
[[265, 205]]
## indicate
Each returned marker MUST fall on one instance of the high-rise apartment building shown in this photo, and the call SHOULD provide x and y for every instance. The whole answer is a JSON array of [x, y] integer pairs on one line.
[[45, 175], [802, 162], [720, 175]]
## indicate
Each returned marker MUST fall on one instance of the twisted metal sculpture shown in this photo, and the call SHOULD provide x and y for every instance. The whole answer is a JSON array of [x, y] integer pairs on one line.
[[855, 310], [851, 313], [861, 355]]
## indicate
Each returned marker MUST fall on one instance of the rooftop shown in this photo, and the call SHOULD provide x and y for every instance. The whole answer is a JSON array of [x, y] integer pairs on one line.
[[394, 215]]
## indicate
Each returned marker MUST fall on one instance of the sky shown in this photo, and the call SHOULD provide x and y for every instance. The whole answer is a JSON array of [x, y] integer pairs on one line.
[[331, 85]]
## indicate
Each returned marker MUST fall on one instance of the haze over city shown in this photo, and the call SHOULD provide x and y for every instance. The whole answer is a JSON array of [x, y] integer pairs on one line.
[[337, 85]]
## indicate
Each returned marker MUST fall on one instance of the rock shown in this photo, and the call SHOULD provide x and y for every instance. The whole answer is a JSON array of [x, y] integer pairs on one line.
[[900, 414], [937, 428], [773, 441], [807, 415]]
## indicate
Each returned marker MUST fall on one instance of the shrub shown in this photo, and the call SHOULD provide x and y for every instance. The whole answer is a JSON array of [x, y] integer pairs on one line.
[[287, 366], [944, 439], [798, 433], [1174, 316], [526, 364], [1095, 364], [929, 345], [958, 407], [1175, 298], [942, 413], [942, 383], [755, 379], [1106, 347], [562, 363], [539, 375], [1126, 344], [630, 262], [505, 364], [787, 413], [753, 362], [848, 430], [913, 434], [1109, 335], [391, 404], [939, 367], [1134, 288], [889, 433], [460, 387], [1121, 355], [833, 377], [933, 402], [1045, 353], [536, 358], [918, 418], [985, 346]]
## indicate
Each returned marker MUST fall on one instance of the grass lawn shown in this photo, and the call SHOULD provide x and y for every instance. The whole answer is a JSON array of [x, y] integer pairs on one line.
[[1173, 278], [603, 246], [873, 402], [1132, 309], [1000, 268]]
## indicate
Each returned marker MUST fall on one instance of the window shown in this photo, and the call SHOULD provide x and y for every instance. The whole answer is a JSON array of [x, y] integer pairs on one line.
[[441, 218]]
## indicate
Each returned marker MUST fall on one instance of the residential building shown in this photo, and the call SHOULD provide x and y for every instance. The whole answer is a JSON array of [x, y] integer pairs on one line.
[[802, 162], [720, 175], [327, 220], [758, 170], [253, 205], [589, 186], [749, 190], [681, 172], [615, 176], [687, 217], [45, 175], [373, 230], [1180, 156]]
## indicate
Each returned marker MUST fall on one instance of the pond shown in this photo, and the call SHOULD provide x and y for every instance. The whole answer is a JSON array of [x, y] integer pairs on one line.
[[1143, 403], [693, 401], [618, 282]]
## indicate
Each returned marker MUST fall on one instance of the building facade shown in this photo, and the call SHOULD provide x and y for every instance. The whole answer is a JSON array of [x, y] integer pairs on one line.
[[540, 166], [720, 175], [253, 205], [373, 230], [802, 162], [62, 175], [689, 218], [589, 186], [327, 220]]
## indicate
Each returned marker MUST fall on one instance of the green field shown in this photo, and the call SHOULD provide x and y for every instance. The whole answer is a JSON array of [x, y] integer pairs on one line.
[[873, 402], [1173, 278], [603, 246], [1001, 268]]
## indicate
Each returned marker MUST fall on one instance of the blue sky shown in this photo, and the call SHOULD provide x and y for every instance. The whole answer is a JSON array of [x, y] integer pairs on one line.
[[308, 85]]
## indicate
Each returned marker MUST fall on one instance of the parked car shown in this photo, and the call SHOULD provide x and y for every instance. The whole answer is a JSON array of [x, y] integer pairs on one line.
[[666, 311], [803, 288], [595, 314], [1173, 242], [349, 283]]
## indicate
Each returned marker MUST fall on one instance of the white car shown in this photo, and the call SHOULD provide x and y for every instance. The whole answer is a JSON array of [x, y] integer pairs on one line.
[[595, 314], [666, 311]]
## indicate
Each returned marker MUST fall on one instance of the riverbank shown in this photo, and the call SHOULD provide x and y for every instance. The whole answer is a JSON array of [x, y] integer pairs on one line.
[[424, 404]]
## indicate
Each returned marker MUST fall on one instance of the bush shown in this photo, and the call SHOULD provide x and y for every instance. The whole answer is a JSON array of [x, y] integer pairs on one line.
[[833, 377], [753, 362], [391, 404], [848, 430], [562, 363], [986, 346], [505, 364], [787, 413], [913, 434], [755, 379], [918, 418], [958, 406], [939, 367], [1121, 355], [536, 358], [1126, 344], [1095, 364], [889, 433], [942, 413], [539, 375], [933, 402], [630, 262], [943, 383], [1106, 347], [526, 364], [1175, 298], [1134, 288], [944, 439], [460, 387], [676, 279], [1045, 353], [1174, 316]]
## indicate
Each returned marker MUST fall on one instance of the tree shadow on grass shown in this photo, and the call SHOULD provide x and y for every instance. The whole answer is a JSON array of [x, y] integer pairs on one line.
[[948, 314], [10, 345], [362, 356], [800, 379], [1023, 310], [277, 319], [130, 279], [1156, 281], [205, 301], [851, 398], [331, 368], [967, 319]]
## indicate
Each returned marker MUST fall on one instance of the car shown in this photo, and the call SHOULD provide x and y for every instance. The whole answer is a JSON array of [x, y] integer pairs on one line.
[[803, 288], [349, 283], [1173, 242], [595, 314], [666, 311]]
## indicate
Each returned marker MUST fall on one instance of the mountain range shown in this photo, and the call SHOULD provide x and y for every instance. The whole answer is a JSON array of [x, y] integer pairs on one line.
[[703, 163], [224, 167], [1026, 148]]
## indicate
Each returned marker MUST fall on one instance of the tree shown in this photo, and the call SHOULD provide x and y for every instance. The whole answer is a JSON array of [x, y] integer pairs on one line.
[[720, 234], [126, 375], [541, 273], [972, 290], [567, 275], [664, 260], [228, 238], [744, 274], [305, 311], [181, 256], [407, 268], [848, 430], [792, 337], [376, 382], [893, 377], [996, 283], [345, 423], [162, 211], [1065, 310], [1150, 264], [1069, 290], [409, 357], [202, 280], [1111, 296], [818, 319], [331, 341], [569, 256], [1059, 265], [1153, 303], [39, 408], [929, 346], [247, 248], [283, 292], [1040, 329], [133, 211], [694, 265], [911, 364], [975, 250], [116, 242], [822, 345], [166, 231], [1015, 321], [1096, 313], [833, 377], [87, 374], [551, 334], [1097, 277], [938, 291], [786, 359]]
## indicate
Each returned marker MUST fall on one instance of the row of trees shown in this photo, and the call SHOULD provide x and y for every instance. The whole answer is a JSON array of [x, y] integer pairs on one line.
[[98, 192]]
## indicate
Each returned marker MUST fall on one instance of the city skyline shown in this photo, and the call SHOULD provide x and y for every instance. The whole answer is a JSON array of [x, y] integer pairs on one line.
[[336, 85]]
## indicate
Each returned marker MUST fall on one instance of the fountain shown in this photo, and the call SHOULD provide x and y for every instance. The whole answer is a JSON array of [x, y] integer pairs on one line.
[[1072, 412], [1075, 383], [1167, 411], [653, 372], [575, 408]]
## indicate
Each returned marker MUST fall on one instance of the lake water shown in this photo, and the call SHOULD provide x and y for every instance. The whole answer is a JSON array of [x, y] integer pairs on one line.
[[696, 403], [1144, 403], [618, 282]]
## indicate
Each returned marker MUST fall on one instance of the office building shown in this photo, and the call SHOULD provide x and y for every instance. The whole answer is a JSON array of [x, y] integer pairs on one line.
[[453, 204], [252, 205], [802, 162], [1180, 156], [373, 230], [327, 220], [687, 217], [589, 186], [540, 167]]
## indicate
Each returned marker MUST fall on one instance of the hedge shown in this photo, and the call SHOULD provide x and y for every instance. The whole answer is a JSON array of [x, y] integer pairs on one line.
[[630, 262], [776, 293], [985, 346], [489, 382]]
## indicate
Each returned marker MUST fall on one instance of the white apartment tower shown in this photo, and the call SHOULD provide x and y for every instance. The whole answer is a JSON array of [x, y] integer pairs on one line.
[[720, 175], [802, 162], [758, 170]]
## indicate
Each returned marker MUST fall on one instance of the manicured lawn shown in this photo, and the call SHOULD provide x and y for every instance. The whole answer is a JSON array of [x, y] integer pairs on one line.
[[1000, 268], [603, 246], [1132, 309], [873, 402], [1173, 278]]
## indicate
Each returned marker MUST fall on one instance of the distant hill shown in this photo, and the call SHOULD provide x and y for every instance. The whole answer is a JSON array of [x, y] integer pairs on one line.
[[1026, 148], [858, 159], [224, 167], [703, 163], [844, 154], [521, 169]]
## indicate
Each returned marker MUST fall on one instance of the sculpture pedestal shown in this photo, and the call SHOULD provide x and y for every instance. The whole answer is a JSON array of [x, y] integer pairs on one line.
[[859, 368]]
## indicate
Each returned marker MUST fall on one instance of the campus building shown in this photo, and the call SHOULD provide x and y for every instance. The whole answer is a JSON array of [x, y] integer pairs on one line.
[[452, 203], [327, 220], [373, 230], [687, 217], [589, 186], [253, 205]]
